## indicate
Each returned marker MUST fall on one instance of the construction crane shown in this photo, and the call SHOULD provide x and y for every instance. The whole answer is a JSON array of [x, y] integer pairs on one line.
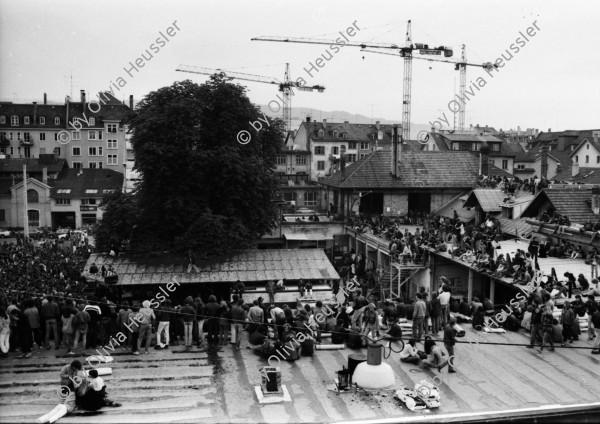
[[405, 51], [285, 86], [458, 66]]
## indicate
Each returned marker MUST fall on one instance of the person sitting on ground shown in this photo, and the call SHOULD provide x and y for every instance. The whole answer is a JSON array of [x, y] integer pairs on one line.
[[339, 334], [437, 356], [410, 354], [395, 331], [69, 372]]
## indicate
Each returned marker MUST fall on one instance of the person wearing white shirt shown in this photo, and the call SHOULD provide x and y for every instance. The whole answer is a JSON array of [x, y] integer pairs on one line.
[[445, 303], [410, 354]]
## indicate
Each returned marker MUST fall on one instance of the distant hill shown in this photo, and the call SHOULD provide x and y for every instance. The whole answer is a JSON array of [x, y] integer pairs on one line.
[[299, 115]]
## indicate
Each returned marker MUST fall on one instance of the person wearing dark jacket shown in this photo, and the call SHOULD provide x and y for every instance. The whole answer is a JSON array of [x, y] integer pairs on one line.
[[213, 311], [436, 314], [536, 323], [24, 330], [449, 342], [50, 314]]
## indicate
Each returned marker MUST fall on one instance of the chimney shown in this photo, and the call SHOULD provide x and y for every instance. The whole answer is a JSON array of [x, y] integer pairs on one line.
[[433, 129], [34, 113], [343, 165], [574, 169], [377, 125], [82, 94], [484, 159], [308, 119], [544, 153], [131, 102], [395, 157], [595, 135], [596, 200], [45, 99], [549, 129], [325, 123], [45, 175]]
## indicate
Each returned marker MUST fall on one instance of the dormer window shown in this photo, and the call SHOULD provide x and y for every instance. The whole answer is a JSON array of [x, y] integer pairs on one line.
[[345, 135], [572, 147], [495, 147], [321, 134], [335, 134], [42, 120], [14, 121], [56, 120], [2, 119], [26, 120], [92, 122]]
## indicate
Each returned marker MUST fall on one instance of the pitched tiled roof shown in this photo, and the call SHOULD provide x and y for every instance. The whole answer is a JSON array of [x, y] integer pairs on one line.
[[494, 171], [488, 199], [86, 183], [574, 202], [456, 204], [519, 152], [472, 137], [515, 227], [583, 140], [353, 132], [416, 169], [249, 266], [9, 166]]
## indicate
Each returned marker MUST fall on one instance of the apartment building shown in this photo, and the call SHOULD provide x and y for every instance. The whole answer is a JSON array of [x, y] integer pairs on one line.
[[87, 134]]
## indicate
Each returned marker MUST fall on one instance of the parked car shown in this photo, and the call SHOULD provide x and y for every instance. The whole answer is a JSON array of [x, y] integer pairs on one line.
[[5, 233]]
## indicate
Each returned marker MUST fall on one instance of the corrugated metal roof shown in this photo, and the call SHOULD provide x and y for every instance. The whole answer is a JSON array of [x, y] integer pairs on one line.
[[247, 266]]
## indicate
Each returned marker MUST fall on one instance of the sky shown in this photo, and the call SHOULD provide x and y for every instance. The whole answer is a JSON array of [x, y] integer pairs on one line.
[[60, 47]]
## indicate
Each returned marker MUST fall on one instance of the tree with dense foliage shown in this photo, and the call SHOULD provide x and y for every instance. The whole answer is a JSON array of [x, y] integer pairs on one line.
[[118, 221], [200, 188]]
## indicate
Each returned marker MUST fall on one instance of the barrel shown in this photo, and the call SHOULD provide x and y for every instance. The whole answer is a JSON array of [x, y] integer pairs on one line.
[[374, 354], [353, 361]]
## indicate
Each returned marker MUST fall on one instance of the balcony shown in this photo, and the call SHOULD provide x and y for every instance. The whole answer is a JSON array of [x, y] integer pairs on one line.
[[27, 142], [294, 179]]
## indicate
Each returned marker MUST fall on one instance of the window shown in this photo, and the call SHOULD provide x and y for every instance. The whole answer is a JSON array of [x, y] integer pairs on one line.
[[576, 158], [364, 145], [2, 121], [335, 134], [76, 135], [63, 201], [572, 147], [57, 151], [521, 166], [91, 135], [26, 120], [301, 160], [91, 191], [597, 159], [18, 136], [10, 136], [335, 150], [345, 135], [587, 146], [99, 135], [76, 151], [77, 165], [351, 157], [320, 165], [587, 159], [14, 121], [33, 196], [94, 165], [111, 128], [92, 121], [476, 147], [112, 160], [319, 150], [455, 146], [33, 217], [43, 120], [321, 134], [111, 144], [27, 137], [504, 163], [63, 191], [56, 120], [42, 136], [495, 147], [95, 151], [352, 145], [27, 152], [12, 150], [362, 155], [89, 201], [279, 160], [311, 198]]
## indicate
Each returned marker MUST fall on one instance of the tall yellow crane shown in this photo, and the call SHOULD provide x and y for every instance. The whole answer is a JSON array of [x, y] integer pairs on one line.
[[461, 66], [405, 51], [285, 86]]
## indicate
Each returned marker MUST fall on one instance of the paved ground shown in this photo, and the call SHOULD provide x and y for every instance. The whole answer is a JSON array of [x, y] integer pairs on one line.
[[174, 386]]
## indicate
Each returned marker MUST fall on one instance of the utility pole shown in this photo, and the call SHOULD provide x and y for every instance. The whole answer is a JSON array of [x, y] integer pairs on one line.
[[25, 217]]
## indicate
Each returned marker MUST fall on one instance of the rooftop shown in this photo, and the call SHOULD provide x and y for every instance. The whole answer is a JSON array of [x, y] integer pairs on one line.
[[249, 266], [573, 202], [85, 183]]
